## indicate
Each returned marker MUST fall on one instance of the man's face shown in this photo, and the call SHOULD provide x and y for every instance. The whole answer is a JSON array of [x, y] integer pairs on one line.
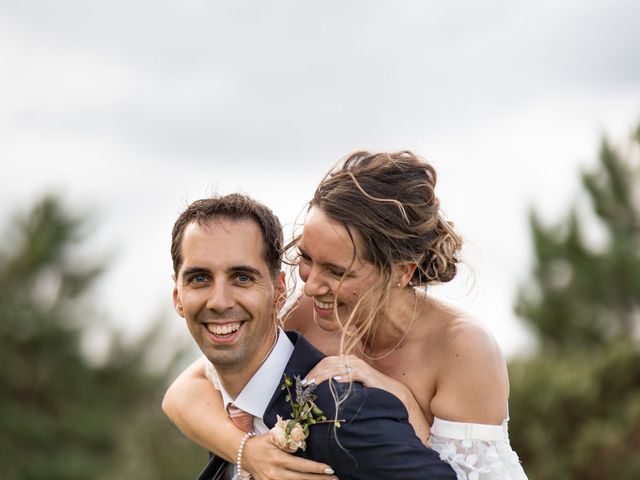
[[225, 292]]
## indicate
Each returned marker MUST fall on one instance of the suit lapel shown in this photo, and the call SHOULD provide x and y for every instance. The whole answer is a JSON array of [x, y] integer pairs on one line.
[[304, 357]]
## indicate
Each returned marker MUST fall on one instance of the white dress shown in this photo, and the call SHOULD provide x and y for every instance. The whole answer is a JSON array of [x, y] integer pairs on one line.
[[476, 452]]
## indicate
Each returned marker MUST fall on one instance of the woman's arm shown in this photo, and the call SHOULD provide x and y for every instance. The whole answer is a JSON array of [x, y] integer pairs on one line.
[[195, 407], [359, 371]]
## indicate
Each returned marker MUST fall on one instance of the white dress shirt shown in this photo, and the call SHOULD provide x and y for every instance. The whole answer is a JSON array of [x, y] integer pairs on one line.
[[256, 394]]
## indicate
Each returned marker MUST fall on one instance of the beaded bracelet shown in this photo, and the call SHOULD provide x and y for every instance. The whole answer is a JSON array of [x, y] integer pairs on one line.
[[243, 442]]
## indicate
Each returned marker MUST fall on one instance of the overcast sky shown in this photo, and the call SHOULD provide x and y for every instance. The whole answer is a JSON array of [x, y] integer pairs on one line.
[[133, 109]]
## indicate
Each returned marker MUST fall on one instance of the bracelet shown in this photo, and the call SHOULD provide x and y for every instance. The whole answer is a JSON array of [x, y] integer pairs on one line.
[[243, 442]]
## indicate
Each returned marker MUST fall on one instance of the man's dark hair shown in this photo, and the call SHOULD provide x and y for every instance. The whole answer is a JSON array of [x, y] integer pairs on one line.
[[234, 206]]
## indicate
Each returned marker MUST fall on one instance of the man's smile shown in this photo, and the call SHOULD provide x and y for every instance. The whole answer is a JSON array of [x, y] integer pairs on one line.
[[223, 329]]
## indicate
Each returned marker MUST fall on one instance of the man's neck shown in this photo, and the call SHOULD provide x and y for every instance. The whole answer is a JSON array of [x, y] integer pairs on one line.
[[235, 378]]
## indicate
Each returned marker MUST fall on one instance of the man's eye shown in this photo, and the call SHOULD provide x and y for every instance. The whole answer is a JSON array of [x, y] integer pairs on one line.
[[244, 278], [199, 278]]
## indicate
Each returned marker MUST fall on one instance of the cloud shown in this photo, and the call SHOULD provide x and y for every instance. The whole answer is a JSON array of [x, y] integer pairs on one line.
[[142, 106], [238, 79]]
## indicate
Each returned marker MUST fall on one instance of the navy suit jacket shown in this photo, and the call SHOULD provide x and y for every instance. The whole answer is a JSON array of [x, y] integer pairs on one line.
[[375, 441]]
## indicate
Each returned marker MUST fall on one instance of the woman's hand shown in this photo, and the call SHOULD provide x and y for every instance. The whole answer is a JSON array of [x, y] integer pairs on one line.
[[265, 461], [349, 368]]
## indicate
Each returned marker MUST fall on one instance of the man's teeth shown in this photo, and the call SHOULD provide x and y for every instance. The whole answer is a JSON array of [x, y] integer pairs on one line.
[[223, 329], [324, 305]]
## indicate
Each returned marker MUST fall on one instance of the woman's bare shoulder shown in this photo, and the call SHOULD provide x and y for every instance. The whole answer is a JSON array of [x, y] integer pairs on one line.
[[470, 366], [457, 331]]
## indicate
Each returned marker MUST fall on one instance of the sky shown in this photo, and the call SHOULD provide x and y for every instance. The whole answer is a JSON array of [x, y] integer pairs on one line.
[[131, 110]]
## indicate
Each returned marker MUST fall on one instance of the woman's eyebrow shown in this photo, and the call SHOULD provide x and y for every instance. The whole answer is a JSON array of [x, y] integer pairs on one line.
[[327, 264]]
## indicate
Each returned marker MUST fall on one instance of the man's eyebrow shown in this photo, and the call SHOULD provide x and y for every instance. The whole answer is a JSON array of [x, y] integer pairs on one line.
[[246, 269], [192, 270]]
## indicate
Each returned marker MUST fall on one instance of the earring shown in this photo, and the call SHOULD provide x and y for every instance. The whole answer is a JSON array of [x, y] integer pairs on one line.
[[398, 285]]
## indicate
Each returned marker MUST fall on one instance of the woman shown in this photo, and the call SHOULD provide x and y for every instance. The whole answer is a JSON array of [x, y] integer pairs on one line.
[[373, 240]]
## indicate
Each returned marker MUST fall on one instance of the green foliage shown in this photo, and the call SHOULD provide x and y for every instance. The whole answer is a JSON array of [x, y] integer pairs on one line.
[[577, 413], [579, 295], [576, 403], [63, 416]]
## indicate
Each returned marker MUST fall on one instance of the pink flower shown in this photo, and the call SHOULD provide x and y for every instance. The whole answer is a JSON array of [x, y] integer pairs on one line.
[[297, 433], [279, 433], [289, 442]]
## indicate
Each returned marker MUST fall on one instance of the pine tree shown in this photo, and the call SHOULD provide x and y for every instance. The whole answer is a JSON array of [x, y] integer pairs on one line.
[[576, 402], [580, 295], [62, 416]]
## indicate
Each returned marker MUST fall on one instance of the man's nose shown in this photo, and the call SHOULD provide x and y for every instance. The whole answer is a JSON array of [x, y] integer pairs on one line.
[[220, 297]]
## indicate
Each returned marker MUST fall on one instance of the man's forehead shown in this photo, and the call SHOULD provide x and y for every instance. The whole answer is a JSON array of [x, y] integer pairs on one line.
[[227, 224], [240, 240]]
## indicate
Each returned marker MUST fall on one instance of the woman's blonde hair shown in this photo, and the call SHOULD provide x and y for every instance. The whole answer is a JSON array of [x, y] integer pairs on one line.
[[387, 201]]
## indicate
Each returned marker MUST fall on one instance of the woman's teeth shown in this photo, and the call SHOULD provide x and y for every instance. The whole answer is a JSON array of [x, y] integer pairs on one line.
[[223, 329], [323, 305]]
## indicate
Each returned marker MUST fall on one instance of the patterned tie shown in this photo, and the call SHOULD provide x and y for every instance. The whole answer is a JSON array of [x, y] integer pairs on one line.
[[244, 421]]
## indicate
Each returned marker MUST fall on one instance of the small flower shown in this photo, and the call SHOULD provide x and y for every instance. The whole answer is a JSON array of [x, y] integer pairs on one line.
[[448, 451], [291, 435], [279, 433], [297, 438], [297, 433], [288, 435]]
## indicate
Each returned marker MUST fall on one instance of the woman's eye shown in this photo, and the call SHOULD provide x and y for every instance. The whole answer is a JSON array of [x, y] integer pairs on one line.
[[336, 273], [303, 257]]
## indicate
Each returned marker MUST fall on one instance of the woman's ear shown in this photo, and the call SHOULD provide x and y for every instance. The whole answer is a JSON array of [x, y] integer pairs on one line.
[[404, 274]]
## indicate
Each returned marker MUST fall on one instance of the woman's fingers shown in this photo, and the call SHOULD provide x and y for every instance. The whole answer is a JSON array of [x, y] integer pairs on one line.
[[304, 466], [267, 462], [295, 468], [343, 368]]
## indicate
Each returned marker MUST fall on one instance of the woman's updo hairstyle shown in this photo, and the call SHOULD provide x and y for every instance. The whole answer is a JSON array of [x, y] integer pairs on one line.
[[389, 199]]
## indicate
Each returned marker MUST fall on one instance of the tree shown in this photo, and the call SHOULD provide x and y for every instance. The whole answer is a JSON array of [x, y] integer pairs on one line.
[[63, 416], [576, 402], [579, 295]]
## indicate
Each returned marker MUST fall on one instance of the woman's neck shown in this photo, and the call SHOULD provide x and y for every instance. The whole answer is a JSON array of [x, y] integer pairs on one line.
[[395, 323]]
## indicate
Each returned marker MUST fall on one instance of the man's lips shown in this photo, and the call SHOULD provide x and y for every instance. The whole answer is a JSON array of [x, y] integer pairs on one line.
[[224, 328]]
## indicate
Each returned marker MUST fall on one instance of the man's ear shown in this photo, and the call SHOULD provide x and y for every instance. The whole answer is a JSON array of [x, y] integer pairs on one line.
[[280, 291], [177, 304]]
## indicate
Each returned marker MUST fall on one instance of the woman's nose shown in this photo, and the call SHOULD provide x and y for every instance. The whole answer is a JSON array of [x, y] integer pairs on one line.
[[315, 285]]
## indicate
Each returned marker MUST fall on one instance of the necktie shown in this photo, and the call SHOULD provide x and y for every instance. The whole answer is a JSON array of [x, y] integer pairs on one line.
[[244, 421]]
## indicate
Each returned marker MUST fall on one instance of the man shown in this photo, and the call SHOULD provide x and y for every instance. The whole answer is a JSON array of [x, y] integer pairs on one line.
[[227, 254]]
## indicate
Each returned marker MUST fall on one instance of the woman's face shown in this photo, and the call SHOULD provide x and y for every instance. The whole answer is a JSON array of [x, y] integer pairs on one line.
[[326, 258]]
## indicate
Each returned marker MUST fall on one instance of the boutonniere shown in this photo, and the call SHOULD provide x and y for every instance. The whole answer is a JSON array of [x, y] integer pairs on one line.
[[291, 434]]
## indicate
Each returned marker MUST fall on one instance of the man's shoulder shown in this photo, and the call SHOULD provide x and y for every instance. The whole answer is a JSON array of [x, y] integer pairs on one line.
[[355, 401], [374, 439]]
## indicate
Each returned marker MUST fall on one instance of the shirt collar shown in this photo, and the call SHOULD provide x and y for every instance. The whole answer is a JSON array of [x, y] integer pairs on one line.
[[255, 396]]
